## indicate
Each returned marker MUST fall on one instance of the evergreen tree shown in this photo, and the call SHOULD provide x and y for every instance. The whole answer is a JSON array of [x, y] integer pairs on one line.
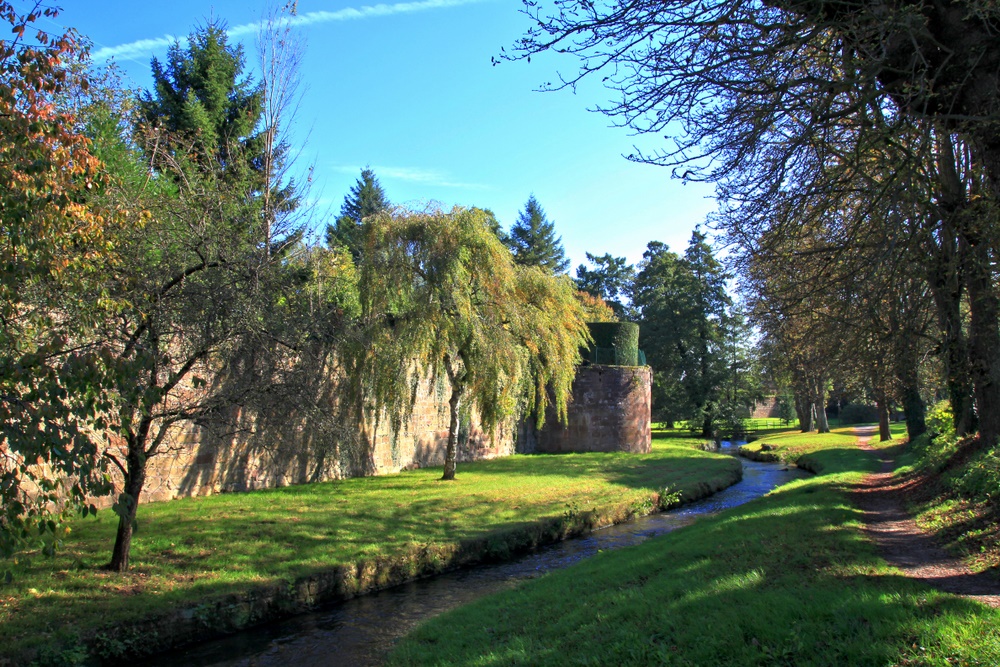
[[365, 199], [200, 95], [685, 318], [611, 279], [534, 242], [203, 115], [710, 304], [658, 289], [202, 278]]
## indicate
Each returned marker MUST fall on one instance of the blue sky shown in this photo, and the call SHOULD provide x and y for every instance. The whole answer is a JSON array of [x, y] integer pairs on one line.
[[408, 88]]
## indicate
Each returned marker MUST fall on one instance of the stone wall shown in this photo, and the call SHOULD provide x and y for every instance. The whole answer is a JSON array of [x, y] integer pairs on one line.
[[766, 408], [241, 452], [244, 450], [610, 412]]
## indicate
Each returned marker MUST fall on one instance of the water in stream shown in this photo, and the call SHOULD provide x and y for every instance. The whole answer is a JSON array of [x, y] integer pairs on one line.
[[359, 632]]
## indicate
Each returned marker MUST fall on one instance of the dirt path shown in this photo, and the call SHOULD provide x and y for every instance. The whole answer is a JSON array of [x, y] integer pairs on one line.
[[903, 544]]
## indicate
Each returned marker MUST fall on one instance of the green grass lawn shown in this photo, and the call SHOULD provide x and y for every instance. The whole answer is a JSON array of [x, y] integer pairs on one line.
[[785, 580], [191, 551], [793, 446], [753, 424]]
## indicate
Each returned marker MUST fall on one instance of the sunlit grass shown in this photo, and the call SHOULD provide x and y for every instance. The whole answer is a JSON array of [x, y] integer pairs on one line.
[[752, 424], [785, 580], [191, 550], [793, 446]]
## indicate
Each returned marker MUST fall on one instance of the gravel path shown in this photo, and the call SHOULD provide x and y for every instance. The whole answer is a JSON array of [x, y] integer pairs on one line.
[[903, 544]]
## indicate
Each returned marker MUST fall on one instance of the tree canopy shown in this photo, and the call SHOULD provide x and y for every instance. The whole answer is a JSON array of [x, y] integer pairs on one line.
[[871, 123], [200, 95], [684, 313], [610, 279], [50, 243]]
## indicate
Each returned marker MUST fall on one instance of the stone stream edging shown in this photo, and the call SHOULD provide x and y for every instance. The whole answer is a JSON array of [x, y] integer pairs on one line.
[[127, 641]]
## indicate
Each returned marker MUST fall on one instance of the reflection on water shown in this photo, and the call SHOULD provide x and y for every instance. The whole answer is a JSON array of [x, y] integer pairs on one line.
[[360, 631]]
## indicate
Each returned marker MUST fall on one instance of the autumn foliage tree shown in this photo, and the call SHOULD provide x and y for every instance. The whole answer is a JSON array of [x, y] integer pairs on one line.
[[442, 297], [50, 241]]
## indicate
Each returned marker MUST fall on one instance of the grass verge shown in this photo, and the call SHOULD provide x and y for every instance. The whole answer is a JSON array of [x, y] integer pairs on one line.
[[953, 489], [203, 566], [795, 447], [785, 580]]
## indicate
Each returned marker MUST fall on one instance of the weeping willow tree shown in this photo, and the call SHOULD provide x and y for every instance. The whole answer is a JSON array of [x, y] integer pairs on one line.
[[442, 297]]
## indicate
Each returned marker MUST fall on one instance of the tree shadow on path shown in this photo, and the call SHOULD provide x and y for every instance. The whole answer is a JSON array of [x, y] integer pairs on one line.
[[881, 497]]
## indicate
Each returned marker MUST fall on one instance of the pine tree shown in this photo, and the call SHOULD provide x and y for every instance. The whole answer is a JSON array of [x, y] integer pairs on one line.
[[366, 198], [203, 115], [534, 242], [201, 96]]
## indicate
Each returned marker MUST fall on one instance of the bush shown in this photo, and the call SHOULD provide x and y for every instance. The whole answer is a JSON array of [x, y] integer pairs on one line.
[[981, 479], [941, 422]]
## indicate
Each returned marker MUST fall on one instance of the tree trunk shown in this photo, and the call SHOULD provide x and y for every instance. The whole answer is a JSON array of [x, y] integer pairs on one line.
[[129, 504], [803, 409], [914, 409], [907, 374], [822, 425], [946, 288], [707, 430], [984, 340], [882, 404], [454, 403]]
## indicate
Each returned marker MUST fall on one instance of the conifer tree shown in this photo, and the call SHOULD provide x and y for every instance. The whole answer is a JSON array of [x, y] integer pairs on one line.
[[534, 242], [611, 279], [685, 317], [200, 94], [202, 277], [365, 199]]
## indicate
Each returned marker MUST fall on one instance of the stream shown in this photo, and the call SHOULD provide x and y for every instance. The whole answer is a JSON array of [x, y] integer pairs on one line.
[[361, 631]]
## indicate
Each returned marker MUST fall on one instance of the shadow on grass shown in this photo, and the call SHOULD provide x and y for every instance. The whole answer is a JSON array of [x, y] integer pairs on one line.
[[786, 580], [210, 551]]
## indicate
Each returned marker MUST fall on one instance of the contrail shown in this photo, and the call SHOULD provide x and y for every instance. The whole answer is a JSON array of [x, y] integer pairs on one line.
[[145, 46]]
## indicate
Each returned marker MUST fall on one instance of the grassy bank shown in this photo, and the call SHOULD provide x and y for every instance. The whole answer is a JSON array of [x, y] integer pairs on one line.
[[793, 446], [954, 486], [217, 563], [785, 580]]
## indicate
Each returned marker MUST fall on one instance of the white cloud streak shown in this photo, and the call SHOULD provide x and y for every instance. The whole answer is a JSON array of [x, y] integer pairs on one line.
[[414, 175], [147, 46]]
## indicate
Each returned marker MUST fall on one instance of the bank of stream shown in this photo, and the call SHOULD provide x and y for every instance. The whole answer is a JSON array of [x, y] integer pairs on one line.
[[360, 631]]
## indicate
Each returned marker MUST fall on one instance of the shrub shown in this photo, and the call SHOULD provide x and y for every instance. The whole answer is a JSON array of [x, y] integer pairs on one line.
[[941, 422], [621, 338]]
